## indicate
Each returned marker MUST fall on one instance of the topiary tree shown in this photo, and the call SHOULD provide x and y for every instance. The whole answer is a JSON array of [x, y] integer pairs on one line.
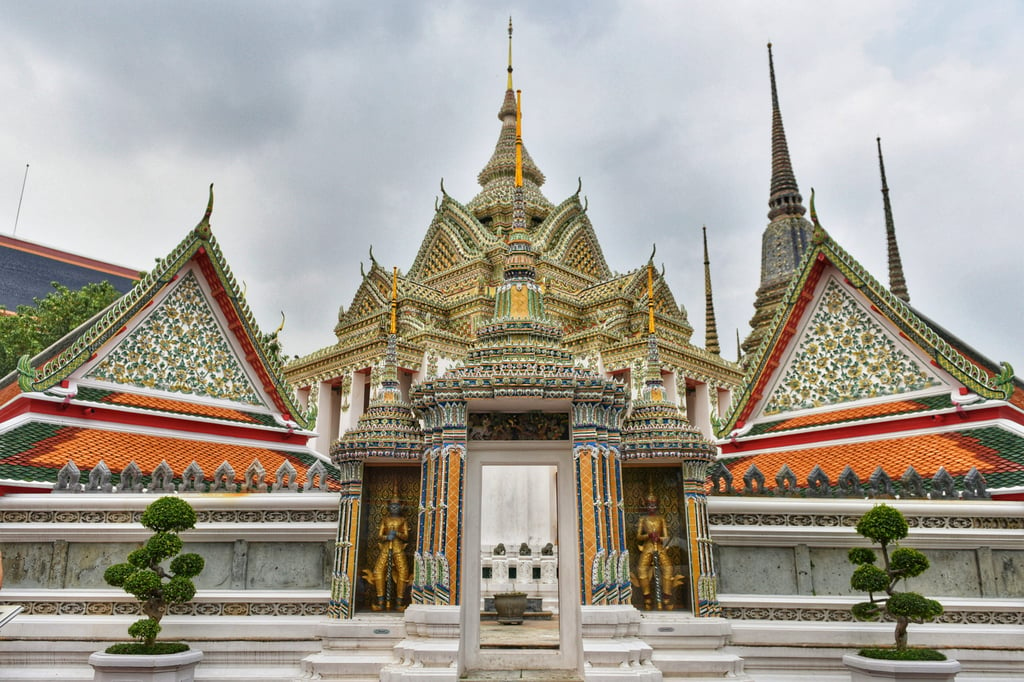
[[144, 577], [886, 525]]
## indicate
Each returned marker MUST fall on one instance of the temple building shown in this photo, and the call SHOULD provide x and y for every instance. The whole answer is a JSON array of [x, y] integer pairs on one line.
[[852, 388], [515, 463], [449, 292], [171, 387]]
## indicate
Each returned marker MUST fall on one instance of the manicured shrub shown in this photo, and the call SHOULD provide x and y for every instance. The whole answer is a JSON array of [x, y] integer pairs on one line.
[[144, 577], [885, 525]]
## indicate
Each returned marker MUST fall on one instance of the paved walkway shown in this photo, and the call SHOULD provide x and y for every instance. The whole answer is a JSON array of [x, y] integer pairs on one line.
[[531, 634]]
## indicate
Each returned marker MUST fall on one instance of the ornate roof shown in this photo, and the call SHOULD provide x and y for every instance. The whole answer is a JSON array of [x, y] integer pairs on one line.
[[848, 374], [452, 287], [874, 301], [215, 373], [174, 379]]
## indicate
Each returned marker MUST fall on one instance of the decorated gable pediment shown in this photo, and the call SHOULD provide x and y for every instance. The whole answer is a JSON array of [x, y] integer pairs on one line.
[[574, 245], [845, 354], [455, 235], [371, 297], [180, 346], [840, 336]]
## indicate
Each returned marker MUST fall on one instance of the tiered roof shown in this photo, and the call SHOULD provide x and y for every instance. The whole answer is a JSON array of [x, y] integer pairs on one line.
[[174, 375], [452, 284], [656, 428]]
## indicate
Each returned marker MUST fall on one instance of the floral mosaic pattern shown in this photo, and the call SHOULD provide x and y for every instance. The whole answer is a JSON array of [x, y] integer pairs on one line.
[[844, 355], [181, 348]]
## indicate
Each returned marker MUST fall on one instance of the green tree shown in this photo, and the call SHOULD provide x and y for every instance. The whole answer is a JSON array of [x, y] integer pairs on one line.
[[144, 576], [885, 526], [34, 328]]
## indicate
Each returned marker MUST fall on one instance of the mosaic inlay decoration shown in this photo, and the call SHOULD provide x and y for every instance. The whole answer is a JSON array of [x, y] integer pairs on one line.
[[844, 355], [518, 426], [181, 348]]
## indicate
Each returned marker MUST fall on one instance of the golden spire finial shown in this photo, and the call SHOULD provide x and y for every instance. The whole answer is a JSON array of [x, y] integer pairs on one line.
[[510, 53], [519, 138], [394, 300], [650, 297]]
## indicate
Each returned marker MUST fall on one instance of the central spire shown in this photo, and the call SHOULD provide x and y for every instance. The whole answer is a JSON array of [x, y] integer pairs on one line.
[[519, 296], [497, 177]]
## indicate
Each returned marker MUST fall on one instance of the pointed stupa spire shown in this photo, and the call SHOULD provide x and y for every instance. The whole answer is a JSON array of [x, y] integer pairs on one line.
[[897, 283], [710, 325], [497, 176], [520, 330], [785, 199], [654, 385], [788, 234]]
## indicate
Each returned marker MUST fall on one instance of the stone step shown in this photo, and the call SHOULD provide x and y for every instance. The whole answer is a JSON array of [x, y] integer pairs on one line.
[[339, 666], [521, 676], [529, 615], [692, 664]]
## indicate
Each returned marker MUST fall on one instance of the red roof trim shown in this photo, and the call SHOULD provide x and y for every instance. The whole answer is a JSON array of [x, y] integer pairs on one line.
[[237, 327], [891, 426], [785, 335], [183, 423]]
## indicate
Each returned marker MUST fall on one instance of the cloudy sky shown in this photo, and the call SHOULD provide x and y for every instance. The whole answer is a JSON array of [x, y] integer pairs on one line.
[[327, 127]]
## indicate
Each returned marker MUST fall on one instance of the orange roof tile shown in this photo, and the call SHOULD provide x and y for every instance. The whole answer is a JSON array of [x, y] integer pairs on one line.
[[851, 414], [957, 452], [9, 391], [86, 447], [168, 405]]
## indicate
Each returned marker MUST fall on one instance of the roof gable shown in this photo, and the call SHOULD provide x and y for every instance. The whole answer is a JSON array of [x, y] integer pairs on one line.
[[843, 354], [216, 311], [567, 238], [180, 346], [455, 236], [770, 359]]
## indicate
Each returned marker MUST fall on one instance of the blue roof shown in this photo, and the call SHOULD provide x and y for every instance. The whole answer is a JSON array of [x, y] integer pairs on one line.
[[28, 274]]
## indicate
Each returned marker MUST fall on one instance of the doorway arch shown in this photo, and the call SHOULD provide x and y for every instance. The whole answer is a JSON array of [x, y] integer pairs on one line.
[[568, 655]]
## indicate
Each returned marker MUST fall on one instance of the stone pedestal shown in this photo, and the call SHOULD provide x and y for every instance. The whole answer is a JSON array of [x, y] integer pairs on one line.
[[864, 669], [612, 652], [135, 668]]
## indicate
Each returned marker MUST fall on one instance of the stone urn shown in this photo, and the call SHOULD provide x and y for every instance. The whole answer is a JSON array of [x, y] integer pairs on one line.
[[864, 669], [510, 607], [179, 667]]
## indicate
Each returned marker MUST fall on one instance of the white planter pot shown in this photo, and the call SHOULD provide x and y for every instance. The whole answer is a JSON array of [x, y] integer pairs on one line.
[[180, 667], [863, 669]]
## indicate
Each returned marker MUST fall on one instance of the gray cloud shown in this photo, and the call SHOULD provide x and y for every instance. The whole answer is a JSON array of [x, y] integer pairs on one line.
[[327, 127]]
